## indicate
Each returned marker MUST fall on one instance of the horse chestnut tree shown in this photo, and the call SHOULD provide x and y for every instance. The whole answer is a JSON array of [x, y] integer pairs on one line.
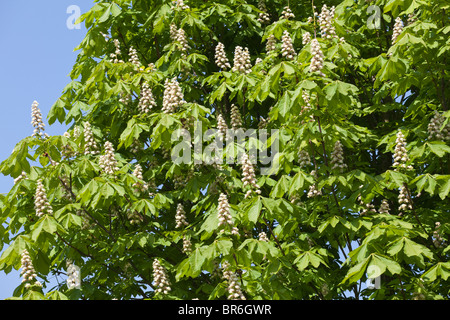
[[359, 192]]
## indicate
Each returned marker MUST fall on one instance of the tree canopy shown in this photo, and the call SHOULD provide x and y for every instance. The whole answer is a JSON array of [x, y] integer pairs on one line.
[[353, 99]]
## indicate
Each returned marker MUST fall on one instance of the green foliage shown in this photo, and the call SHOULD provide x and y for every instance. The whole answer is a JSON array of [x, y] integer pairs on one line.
[[114, 225]]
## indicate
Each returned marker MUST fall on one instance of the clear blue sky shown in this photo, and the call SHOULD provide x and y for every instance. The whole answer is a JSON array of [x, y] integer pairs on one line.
[[36, 57]]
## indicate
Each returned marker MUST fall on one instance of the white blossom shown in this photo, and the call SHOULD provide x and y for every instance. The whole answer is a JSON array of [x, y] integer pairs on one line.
[[223, 211], [21, 177], [271, 43], [222, 126], [221, 58], [36, 121], [139, 186], [180, 217], [337, 157], [173, 96], [398, 29], [134, 59], [306, 38], [28, 273], [160, 278], [403, 200], [179, 4], [326, 17], [182, 40], [287, 13], [90, 146], [304, 158], [287, 48], [108, 162], [187, 245], [241, 62], [249, 177], [41, 203], [263, 17], [384, 208], [74, 276], [317, 57], [400, 153], [434, 128], [115, 56], [236, 120], [313, 192], [234, 288], [146, 101], [262, 236]]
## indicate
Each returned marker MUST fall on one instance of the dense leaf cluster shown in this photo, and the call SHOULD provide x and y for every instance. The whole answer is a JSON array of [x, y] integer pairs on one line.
[[323, 227]]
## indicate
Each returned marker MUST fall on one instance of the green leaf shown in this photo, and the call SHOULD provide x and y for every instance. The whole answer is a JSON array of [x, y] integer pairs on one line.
[[255, 210]]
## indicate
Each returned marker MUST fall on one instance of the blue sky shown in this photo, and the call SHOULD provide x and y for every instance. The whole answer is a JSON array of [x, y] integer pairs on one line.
[[35, 60]]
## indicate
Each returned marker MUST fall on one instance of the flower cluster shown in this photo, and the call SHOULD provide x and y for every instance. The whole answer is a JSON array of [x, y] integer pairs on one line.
[[287, 13], [403, 200], [326, 22], [221, 58], [222, 126], [234, 288], [160, 276], [384, 207], [263, 16], [182, 40], [28, 273], [438, 241], [223, 211], [115, 56], [313, 192], [271, 43], [146, 101], [41, 203], [179, 4], [262, 236], [249, 178], [317, 57], [187, 245], [236, 120], [287, 48], [90, 146], [337, 157], [241, 62], [21, 177], [180, 217], [108, 162], [306, 38], [303, 158], [434, 128], [400, 153], [74, 276], [173, 96], [398, 29], [134, 59], [36, 121], [139, 186]]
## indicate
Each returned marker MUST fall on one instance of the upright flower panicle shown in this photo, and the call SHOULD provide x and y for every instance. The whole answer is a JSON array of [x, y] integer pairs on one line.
[[74, 276], [146, 101], [221, 57], [36, 121], [303, 158], [398, 29], [134, 59], [90, 146], [139, 186], [41, 203], [317, 57], [160, 277], [337, 157], [180, 217], [249, 177], [263, 17], [234, 288], [306, 38], [115, 56], [223, 211], [271, 43], [400, 153], [236, 120], [287, 13], [241, 62], [403, 201], [384, 208], [173, 96], [108, 162], [326, 17], [28, 273], [434, 128], [287, 48]]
